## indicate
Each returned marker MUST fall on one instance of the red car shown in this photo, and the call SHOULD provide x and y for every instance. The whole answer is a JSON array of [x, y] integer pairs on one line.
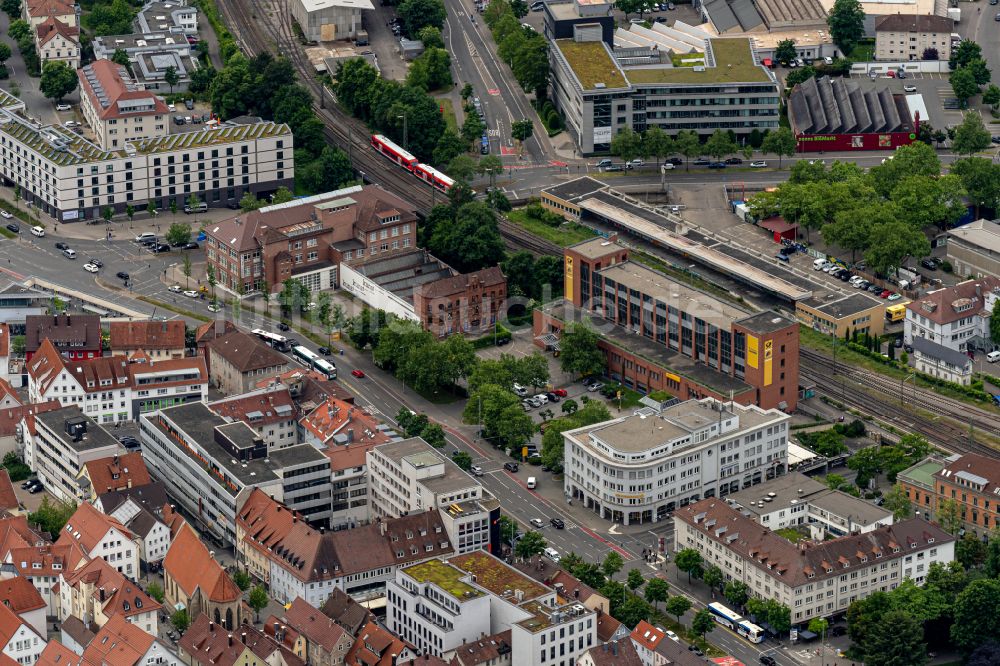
[[358, 373], [560, 392], [885, 294]]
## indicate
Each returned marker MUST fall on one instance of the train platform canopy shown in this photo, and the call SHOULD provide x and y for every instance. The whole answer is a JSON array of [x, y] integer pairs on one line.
[[846, 106], [719, 261]]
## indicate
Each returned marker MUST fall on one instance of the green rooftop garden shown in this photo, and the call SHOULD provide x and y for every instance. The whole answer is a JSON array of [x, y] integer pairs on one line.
[[447, 577], [592, 64], [734, 63]]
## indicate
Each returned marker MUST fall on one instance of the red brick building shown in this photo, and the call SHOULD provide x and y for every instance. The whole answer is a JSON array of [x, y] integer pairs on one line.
[[466, 303], [659, 334], [307, 240]]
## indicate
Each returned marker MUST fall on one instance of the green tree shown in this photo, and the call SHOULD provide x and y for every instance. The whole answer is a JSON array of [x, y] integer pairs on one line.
[[892, 243], [431, 70], [171, 78], [949, 515], [242, 579], [180, 620], [688, 560], [916, 159], [462, 168], [417, 14], [819, 625], [897, 502], [155, 590], [258, 600], [847, 24], [431, 37], [786, 52], [800, 75], [976, 614], [966, 52], [579, 351], [569, 406], [780, 142], [467, 91], [18, 30], [991, 96], [971, 135], [657, 591], [736, 592], [677, 605], [472, 242], [120, 57], [633, 611], [779, 616], [463, 460], [473, 127], [703, 623], [970, 551], [981, 180], [52, 515], [898, 640], [58, 80], [330, 171], [490, 165], [522, 130], [657, 144], [249, 202], [963, 84], [980, 72], [689, 145], [186, 269], [503, 419], [713, 577], [178, 234], [449, 146], [151, 209], [531, 544], [626, 144], [12, 8], [720, 144], [612, 564], [630, 6], [635, 579], [282, 195]]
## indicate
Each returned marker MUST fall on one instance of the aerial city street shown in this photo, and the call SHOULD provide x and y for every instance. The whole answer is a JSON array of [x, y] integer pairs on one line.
[[500, 333]]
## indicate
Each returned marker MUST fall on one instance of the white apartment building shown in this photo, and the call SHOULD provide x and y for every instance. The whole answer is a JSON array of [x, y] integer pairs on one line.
[[65, 176], [104, 537], [954, 317], [152, 535], [116, 108], [905, 37], [814, 579], [796, 499], [64, 440], [57, 41], [637, 468], [441, 604], [175, 17], [18, 640], [410, 475]]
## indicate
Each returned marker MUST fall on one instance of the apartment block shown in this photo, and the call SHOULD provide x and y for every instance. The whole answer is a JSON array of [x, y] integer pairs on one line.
[[957, 317], [905, 37], [117, 109], [236, 361], [410, 475], [639, 468], [271, 411], [814, 579], [661, 334], [970, 480], [63, 441], [157, 340], [69, 178], [97, 592]]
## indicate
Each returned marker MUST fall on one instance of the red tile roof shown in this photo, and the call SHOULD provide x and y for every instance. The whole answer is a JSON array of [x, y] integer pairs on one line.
[[118, 87], [210, 644], [949, 304], [985, 468], [19, 595], [87, 526], [37, 8], [375, 647], [270, 406], [81, 332], [15, 533], [190, 565], [620, 653], [7, 392], [8, 500], [51, 559], [117, 472], [52, 26], [335, 417], [10, 622], [147, 335], [212, 330], [57, 654], [45, 366], [606, 626], [647, 635], [121, 596], [483, 651], [460, 284], [245, 352], [118, 643], [311, 623]]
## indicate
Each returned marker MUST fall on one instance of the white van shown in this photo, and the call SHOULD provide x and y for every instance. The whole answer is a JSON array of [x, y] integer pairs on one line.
[[200, 207], [993, 356], [531, 482], [37, 231], [552, 554], [69, 253], [818, 264], [145, 236]]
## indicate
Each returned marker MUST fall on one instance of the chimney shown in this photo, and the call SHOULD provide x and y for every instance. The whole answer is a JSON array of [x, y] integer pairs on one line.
[[55, 320], [116, 458], [381, 528], [129, 483], [230, 640], [102, 595], [211, 626], [244, 637], [276, 625]]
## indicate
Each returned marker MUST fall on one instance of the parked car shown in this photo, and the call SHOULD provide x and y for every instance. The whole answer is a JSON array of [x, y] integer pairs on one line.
[[29, 482], [189, 104], [759, 164], [552, 397], [781, 256], [596, 386], [676, 161], [700, 162], [734, 160], [121, 275], [214, 307], [637, 162], [560, 392], [930, 263], [325, 351], [282, 326], [768, 660], [910, 88], [63, 107], [717, 165], [894, 297], [190, 246], [528, 405], [510, 467], [14, 227]]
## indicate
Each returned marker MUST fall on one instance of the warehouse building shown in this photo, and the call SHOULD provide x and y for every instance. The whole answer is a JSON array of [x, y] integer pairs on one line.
[[330, 20]]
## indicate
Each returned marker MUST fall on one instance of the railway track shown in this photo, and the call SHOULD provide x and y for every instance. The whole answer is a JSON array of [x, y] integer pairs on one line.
[[880, 397], [258, 32]]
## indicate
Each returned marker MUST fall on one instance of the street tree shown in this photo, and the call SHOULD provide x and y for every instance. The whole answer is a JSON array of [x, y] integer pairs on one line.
[[531, 544], [12, 8], [463, 460], [155, 590], [736, 592], [898, 640], [677, 605], [688, 560], [570, 405], [461, 167], [921, 201], [501, 415], [612, 564], [963, 84], [633, 611], [779, 616], [916, 159], [630, 6], [847, 24], [981, 180], [991, 96], [970, 551], [785, 52], [431, 70], [186, 269], [258, 600], [689, 145], [242, 580], [703, 623], [657, 591], [579, 353], [713, 577], [971, 135], [431, 38], [522, 130], [473, 127], [949, 515], [780, 142], [897, 502], [490, 165], [180, 620], [656, 144], [626, 144], [58, 80], [980, 72], [178, 234], [129, 213], [720, 144], [963, 54], [819, 625], [18, 30], [635, 579], [171, 78], [416, 14], [892, 243]]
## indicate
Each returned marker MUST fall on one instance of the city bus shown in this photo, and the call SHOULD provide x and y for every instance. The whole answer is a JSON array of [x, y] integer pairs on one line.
[[732, 620], [305, 356], [325, 367], [275, 341]]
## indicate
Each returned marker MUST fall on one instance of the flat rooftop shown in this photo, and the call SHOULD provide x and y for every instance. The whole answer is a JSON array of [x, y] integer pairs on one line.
[[595, 247], [448, 578], [96, 437], [843, 306], [499, 578], [777, 492], [733, 63], [575, 188], [592, 64], [686, 299], [199, 422], [672, 361], [923, 472], [856, 509], [419, 453], [765, 322]]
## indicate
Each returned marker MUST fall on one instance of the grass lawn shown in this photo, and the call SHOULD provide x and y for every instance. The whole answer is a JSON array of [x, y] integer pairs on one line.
[[789, 533], [568, 233], [629, 399], [451, 121], [862, 52]]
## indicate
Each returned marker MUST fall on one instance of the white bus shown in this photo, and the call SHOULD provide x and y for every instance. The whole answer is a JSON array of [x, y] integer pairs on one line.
[[305, 355], [325, 367], [750, 631], [732, 620], [276, 341]]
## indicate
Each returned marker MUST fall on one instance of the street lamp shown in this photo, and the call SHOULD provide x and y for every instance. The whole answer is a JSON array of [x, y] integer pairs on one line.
[[403, 116]]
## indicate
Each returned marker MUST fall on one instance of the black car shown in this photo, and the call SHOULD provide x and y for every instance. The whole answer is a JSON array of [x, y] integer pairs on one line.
[[293, 342], [557, 523], [552, 397], [768, 660], [325, 351], [510, 467], [191, 246], [717, 165], [14, 227], [930, 263], [676, 161], [149, 242], [734, 160], [282, 326], [700, 162], [121, 275], [160, 247], [839, 630], [844, 276], [233, 205], [96, 262], [29, 482], [696, 650], [61, 246], [995, 139]]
